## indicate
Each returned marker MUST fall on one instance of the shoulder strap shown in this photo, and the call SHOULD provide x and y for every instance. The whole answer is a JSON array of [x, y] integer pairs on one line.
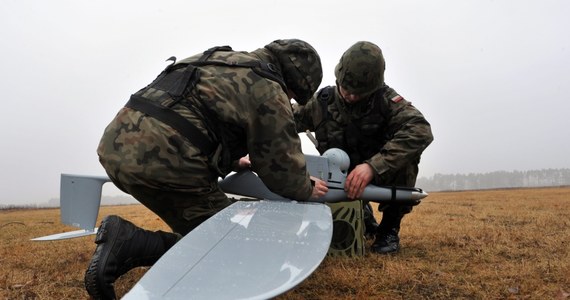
[[176, 85], [190, 71], [261, 68], [172, 119], [324, 97]]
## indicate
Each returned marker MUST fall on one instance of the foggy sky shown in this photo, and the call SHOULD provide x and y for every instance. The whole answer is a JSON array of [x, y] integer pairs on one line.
[[490, 76]]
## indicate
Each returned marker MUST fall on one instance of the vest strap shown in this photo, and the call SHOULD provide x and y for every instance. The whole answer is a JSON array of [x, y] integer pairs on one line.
[[174, 120]]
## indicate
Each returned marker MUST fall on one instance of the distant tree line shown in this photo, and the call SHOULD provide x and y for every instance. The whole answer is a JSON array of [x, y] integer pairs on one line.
[[20, 207], [497, 179], [54, 202], [438, 182]]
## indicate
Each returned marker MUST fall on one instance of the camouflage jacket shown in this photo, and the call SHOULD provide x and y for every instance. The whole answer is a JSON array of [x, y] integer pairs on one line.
[[252, 114], [386, 131]]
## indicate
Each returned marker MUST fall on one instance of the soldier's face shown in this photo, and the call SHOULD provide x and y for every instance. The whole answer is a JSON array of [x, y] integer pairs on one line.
[[348, 97]]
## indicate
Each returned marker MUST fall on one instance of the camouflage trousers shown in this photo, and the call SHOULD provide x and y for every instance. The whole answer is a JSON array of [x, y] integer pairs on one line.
[[181, 210], [392, 213], [161, 169]]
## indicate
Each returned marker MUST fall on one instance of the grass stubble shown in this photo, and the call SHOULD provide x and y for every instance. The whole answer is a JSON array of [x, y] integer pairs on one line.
[[496, 244]]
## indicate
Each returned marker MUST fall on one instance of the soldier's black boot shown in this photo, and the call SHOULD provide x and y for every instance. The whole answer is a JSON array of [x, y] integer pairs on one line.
[[122, 246], [387, 241]]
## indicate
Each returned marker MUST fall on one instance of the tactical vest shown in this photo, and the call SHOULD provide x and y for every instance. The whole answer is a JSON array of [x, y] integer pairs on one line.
[[360, 137], [176, 84]]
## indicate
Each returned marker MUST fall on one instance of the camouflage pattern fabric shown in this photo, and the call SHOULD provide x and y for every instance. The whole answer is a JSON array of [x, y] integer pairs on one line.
[[348, 229], [385, 131], [297, 57], [361, 69], [255, 117]]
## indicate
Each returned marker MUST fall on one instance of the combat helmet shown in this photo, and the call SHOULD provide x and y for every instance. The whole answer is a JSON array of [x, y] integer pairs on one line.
[[301, 67], [360, 70]]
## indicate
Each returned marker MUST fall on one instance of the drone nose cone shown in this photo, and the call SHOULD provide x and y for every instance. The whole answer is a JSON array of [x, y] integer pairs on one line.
[[418, 195]]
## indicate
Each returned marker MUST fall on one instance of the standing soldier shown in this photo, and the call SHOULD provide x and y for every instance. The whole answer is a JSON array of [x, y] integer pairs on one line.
[[175, 137], [383, 134]]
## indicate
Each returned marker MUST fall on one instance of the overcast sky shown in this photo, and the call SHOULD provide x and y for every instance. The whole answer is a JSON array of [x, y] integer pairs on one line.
[[492, 77]]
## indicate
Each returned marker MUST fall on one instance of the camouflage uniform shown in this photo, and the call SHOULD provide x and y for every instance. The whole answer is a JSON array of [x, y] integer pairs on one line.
[[382, 129], [175, 137], [231, 106], [386, 131]]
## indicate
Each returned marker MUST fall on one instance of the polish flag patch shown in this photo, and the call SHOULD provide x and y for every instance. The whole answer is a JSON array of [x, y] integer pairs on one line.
[[397, 99]]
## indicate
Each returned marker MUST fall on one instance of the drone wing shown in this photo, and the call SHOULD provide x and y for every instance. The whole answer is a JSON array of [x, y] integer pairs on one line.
[[250, 250]]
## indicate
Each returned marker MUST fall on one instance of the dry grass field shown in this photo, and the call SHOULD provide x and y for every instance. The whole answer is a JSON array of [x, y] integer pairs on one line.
[[498, 244]]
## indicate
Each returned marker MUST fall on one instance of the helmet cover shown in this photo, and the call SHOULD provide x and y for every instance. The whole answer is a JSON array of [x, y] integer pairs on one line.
[[360, 70], [301, 67]]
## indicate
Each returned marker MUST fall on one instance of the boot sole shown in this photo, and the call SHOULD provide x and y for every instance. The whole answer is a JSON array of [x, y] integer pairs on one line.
[[378, 250], [105, 240]]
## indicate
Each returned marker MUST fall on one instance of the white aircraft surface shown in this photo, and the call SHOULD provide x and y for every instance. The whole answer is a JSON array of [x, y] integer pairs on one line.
[[251, 249]]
